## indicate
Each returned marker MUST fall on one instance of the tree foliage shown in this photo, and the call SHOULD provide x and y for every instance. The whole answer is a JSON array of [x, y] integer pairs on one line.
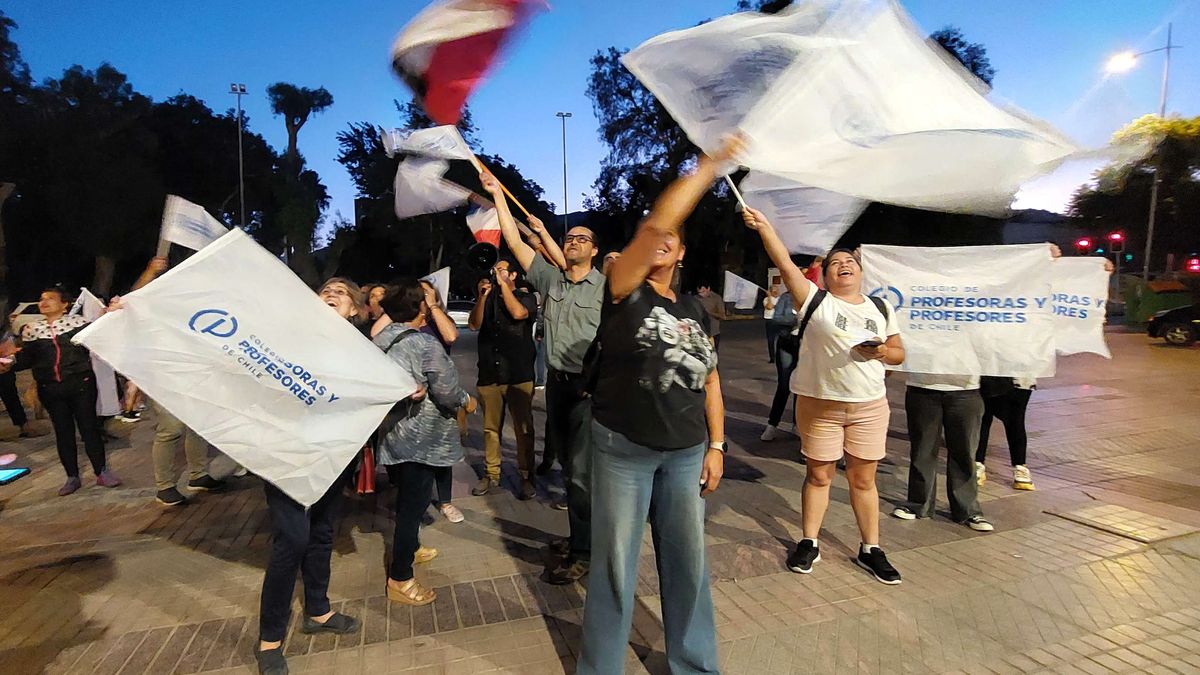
[[972, 55], [1118, 198]]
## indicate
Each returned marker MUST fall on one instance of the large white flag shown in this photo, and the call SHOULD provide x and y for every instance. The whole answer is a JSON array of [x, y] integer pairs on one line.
[[1080, 302], [421, 188], [741, 292], [444, 142], [968, 310], [809, 220], [108, 398], [441, 281], [848, 97], [189, 225], [277, 381]]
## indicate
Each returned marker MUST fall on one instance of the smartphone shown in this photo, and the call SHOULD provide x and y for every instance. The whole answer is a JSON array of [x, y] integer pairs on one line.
[[870, 343], [9, 475]]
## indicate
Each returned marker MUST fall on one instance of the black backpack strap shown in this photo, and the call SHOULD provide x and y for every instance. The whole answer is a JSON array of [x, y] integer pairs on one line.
[[400, 338], [879, 305], [817, 299]]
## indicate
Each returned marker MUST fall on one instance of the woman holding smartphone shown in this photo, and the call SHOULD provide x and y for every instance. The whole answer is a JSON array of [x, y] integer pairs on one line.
[[841, 405]]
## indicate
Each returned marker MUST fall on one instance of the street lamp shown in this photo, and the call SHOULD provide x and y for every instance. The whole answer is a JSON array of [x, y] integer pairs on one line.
[[1124, 62], [239, 90], [563, 116]]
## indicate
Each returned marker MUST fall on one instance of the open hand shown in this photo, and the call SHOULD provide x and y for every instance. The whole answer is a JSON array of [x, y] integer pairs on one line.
[[713, 469]]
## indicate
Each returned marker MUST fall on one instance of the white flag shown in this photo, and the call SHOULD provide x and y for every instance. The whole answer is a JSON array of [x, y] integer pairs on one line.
[[1080, 302], [741, 292], [108, 398], [848, 97], [277, 381], [441, 281], [444, 142], [189, 225], [808, 219], [420, 188], [968, 310]]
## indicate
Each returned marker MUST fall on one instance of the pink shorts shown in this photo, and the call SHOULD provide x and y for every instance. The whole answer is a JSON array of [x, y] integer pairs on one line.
[[829, 428]]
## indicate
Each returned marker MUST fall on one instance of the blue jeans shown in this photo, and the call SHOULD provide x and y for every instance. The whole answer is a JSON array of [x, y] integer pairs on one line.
[[629, 483]]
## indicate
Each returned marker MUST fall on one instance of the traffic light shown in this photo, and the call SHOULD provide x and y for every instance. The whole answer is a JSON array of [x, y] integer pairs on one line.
[[1083, 246], [1192, 265], [1116, 241]]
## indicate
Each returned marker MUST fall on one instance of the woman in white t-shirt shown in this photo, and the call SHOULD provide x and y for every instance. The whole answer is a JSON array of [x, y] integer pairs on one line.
[[841, 404]]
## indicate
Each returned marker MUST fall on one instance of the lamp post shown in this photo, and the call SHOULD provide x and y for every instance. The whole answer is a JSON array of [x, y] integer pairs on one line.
[[239, 90], [563, 116], [1124, 62]]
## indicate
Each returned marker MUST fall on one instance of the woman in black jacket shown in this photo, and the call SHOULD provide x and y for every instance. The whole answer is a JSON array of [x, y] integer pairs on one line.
[[66, 386]]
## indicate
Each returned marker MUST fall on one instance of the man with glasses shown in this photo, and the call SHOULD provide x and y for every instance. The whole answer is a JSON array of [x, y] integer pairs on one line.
[[572, 298]]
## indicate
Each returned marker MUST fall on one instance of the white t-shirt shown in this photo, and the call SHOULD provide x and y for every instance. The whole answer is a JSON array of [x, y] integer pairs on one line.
[[943, 382], [828, 367]]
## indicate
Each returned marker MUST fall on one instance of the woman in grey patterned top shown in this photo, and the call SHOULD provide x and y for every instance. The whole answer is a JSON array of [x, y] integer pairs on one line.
[[426, 437]]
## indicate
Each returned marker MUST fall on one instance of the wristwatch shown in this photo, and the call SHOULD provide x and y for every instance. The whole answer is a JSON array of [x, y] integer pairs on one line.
[[717, 445]]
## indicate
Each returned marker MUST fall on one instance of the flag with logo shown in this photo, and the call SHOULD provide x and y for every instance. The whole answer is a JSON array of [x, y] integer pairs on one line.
[[445, 52], [968, 310], [189, 225], [741, 292], [108, 398], [277, 381], [851, 98], [421, 187], [1080, 303]]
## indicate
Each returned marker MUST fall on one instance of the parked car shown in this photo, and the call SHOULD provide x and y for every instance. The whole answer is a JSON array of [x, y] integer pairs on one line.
[[1179, 326], [25, 314], [460, 311]]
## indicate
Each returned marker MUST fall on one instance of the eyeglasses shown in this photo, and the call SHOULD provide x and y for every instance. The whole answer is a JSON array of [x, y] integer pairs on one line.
[[337, 291], [577, 238]]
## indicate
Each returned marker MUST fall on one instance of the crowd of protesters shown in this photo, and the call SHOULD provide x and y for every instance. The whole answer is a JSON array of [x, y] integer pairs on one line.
[[634, 417]]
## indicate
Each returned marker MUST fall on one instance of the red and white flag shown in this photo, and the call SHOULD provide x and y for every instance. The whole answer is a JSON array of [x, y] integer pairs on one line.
[[447, 49], [484, 222]]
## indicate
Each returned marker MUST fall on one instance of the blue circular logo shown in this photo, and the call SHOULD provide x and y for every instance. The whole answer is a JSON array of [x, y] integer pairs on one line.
[[214, 322], [891, 294]]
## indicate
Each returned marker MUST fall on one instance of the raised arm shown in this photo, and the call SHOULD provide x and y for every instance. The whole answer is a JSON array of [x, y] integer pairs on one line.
[[508, 227], [550, 248], [793, 276], [512, 304], [476, 319], [671, 208], [156, 267], [438, 317]]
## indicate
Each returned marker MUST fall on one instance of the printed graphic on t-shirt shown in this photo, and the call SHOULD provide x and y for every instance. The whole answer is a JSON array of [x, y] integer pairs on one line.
[[843, 324], [872, 327], [685, 355]]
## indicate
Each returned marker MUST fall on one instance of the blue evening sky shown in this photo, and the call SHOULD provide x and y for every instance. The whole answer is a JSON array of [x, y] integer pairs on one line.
[[1048, 55]]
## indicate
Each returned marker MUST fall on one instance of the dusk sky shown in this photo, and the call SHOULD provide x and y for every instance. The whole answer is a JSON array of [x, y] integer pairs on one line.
[[1048, 56]]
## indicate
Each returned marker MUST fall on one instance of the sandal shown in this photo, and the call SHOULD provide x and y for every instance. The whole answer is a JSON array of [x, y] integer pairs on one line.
[[410, 593], [424, 554]]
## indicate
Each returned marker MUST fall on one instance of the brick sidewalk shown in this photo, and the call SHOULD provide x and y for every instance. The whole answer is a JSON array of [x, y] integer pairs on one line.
[[1097, 571]]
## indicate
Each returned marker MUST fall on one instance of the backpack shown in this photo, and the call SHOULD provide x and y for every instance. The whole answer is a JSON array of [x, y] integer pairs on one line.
[[786, 341]]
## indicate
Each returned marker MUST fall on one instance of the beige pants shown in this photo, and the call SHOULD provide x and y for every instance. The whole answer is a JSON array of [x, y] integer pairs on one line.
[[519, 398], [169, 433]]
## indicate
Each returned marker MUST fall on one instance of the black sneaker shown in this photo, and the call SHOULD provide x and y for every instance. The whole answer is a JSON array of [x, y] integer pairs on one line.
[[801, 560], [170, 497], [877, 564], [560, 547], [559, 503], [527, 491], [131, 417], [271, 662], [485, 486], [568, 572], [544, 467], [338, 623], [205, 483]]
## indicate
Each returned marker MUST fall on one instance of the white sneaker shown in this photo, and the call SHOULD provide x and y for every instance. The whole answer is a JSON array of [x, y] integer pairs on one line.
[[452, 513], [904, 513], [980, 473], [769, 434], [1022, 479], [979, 524]]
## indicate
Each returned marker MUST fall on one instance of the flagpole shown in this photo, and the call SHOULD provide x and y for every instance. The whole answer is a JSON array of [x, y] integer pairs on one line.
[[736, 193], [482, 169]]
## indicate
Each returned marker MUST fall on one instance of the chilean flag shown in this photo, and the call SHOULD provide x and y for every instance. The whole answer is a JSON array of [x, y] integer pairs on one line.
[[446, 50]]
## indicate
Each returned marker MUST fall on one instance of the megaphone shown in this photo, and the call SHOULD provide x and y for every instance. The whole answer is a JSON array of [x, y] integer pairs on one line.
[[482, 256]]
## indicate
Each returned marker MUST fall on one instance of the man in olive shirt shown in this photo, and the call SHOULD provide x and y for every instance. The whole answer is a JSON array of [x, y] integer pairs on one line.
[[714, 305], [572, 299]]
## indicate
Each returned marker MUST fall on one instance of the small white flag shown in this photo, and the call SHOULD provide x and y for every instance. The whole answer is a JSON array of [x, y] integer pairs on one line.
[[441, 281], [420, 188], [108, 399], [809, 220], [741, 292], [443, 142], [189, 225]]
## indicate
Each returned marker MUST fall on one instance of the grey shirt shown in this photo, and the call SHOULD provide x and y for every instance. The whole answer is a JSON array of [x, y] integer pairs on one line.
[[571, 313]]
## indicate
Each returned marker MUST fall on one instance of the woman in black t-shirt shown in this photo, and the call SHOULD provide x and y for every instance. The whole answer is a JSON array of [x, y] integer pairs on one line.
[[657, 442]]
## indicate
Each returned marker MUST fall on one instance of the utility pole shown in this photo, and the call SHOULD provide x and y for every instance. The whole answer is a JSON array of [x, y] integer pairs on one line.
[[239, 90], [563, 116]]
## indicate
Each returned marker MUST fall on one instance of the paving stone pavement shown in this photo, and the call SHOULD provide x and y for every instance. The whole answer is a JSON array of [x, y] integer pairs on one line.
[[1097, 571]]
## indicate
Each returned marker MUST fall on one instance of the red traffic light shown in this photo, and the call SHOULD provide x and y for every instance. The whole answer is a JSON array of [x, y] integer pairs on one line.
[[1083, 243], [1115, 236], [1192, 265]]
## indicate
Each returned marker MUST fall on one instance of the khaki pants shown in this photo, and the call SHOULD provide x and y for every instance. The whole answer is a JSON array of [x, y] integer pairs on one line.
[[168, 433], [519, 398]]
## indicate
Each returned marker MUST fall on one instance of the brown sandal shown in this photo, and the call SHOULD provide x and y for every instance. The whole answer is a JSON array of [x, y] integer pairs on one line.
[[410, 593]]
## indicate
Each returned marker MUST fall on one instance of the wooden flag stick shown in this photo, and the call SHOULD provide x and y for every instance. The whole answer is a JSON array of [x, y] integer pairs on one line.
[[482, 169], [736, 193]]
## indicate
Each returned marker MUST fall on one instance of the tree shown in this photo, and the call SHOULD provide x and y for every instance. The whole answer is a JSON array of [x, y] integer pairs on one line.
[[300, 195], [14, 72], [972, 55], [1118, 198]]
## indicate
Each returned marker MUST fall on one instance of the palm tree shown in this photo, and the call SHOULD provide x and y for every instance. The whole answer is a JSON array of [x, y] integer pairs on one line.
[[296, 105]]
